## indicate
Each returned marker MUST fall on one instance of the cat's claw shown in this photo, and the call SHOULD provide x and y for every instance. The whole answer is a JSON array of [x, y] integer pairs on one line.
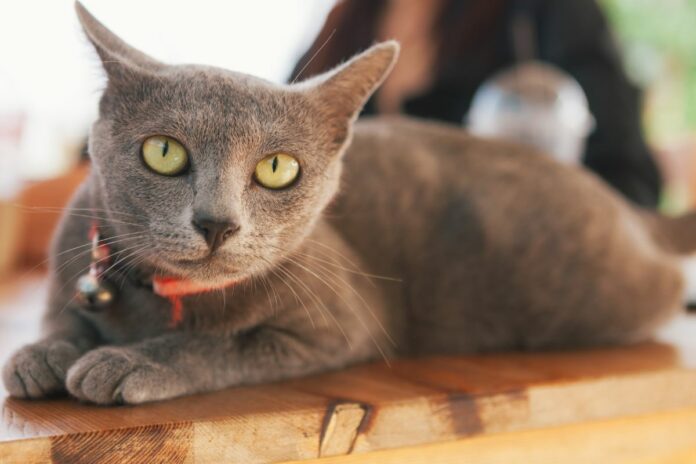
[[120, 375], [39, 370]]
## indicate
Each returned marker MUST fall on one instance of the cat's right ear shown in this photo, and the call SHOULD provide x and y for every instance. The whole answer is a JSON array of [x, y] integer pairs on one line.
[[120, 60], [342, 92]]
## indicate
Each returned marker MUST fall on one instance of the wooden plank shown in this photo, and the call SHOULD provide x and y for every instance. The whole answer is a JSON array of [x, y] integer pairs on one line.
[[664, 438], [358, 410]]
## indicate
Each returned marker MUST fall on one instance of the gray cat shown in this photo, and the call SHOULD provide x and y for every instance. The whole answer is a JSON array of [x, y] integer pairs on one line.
[[299, 241]]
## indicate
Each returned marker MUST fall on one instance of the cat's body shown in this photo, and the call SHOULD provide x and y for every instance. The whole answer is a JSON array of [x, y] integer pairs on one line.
[[498, 246], [435, 242]]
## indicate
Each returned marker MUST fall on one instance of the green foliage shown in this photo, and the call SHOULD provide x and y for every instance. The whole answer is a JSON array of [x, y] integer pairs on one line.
[[665, 30], [666, 24]]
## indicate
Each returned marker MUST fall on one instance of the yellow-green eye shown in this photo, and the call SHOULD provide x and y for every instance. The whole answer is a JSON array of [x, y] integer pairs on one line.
[[164, 155], [277, 171]]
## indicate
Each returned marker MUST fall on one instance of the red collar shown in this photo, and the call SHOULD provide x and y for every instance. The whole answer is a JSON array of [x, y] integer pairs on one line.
[[170, 287], [174, 289]]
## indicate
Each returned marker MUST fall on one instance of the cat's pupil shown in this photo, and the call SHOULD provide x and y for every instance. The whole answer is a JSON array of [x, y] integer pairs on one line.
[[165, 148], [274, 166]]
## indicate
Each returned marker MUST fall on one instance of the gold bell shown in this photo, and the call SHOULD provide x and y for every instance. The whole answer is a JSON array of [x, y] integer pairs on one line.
[[94, 293]]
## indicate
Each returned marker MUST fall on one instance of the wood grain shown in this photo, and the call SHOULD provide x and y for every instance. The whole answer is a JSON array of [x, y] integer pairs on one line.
[[664, 438], [446, 406]]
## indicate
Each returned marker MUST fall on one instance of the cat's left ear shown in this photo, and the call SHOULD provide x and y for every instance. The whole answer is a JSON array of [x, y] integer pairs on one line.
[[120, 60], [343, 91]]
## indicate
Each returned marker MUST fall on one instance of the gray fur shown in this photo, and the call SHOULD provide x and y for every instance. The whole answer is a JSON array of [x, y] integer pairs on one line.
[[479, 245]]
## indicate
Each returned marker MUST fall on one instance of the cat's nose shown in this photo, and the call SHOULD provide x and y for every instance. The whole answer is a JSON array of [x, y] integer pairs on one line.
[[214, 231]]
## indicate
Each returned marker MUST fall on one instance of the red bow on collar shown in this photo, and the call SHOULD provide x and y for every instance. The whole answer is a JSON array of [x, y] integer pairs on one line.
[[174, 289]]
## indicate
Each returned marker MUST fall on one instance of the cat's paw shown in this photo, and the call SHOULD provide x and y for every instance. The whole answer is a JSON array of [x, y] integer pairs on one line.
[[121, 375], [39, 370]]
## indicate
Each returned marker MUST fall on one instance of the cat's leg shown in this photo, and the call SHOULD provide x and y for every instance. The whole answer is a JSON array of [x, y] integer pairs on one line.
[[39, 369], [183, 363]]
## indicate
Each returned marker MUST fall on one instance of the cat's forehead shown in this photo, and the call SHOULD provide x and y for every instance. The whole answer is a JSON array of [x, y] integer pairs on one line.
[[191, 86], [201, 101]]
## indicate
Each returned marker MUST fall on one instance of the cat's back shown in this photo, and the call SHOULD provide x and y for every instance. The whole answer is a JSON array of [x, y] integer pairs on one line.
[[409, 182], [474, 227], [379, 141], [407, 167]]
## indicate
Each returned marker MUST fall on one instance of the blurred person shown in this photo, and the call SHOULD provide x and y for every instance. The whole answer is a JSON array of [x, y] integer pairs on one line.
[[451, 47]]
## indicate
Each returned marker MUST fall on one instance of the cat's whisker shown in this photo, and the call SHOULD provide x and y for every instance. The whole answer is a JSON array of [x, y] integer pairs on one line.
[[107, 241], [82, 215], [348, 305], [224, 301], [101, 219], [86, 268], [350, 287], [297, 297], [332, 256], [342, 268], [276, 297], [252, 282], [264, 282], [362, 300], [89, 249], [107, 220], [86, 245], [378, 346], [321, 303], [68, 281], [268, 294], [128, 268], [65, 306], [321, 306], [138, 249], [111, 211], [299, 73], [335, 253], [75, 259], [70, 208]]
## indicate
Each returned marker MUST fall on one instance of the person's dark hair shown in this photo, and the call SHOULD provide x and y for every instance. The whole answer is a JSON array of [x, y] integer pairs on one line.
[[352, 26]]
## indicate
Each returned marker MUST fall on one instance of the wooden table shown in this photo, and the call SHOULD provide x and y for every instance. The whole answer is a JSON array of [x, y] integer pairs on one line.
[[633, 404]]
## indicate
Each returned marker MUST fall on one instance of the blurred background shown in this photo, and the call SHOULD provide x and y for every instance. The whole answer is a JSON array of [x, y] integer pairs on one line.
[[50, 81], [658, 45]]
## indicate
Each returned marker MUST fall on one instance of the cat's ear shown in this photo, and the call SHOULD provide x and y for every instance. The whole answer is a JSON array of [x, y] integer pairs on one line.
[[344, 90], [120, 60]]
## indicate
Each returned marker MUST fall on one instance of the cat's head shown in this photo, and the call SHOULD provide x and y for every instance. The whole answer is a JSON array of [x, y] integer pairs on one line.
[[226, 172]]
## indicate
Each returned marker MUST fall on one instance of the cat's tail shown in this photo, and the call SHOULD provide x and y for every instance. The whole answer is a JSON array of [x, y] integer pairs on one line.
[[674, 234], [677, 235]]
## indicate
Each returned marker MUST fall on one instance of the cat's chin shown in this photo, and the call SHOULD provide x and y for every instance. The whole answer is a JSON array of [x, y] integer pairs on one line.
[[201, 271], [194, 263], [210, 279]]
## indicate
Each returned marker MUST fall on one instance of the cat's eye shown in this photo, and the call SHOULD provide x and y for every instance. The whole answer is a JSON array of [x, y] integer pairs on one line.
[[277, 171], [164, 155]]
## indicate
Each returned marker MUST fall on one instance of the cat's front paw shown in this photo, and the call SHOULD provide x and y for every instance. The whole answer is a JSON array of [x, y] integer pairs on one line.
[[39, 370], [121, 375]]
